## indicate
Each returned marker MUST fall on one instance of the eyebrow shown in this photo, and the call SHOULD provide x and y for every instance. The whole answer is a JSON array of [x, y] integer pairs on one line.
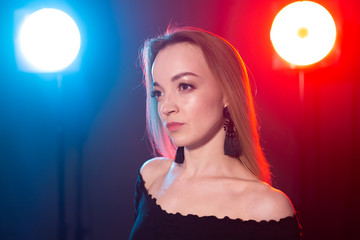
[[178, 76]]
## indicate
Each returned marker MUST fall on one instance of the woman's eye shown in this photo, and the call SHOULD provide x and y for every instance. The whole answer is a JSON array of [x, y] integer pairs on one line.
[[155, 94], [184, 86]]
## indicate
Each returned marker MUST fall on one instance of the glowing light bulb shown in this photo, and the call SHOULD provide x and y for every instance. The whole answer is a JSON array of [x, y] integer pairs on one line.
[[49, 40], [303, 33]]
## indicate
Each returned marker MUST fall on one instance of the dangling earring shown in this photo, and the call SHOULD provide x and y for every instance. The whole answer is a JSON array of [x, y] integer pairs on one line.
[[231, 146], [179, 158]]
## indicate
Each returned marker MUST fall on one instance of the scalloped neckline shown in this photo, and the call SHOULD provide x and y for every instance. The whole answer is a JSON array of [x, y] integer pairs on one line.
[[154, 201]]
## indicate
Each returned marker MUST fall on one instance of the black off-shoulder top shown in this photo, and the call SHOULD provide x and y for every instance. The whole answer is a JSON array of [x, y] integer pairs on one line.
[[152, 222]]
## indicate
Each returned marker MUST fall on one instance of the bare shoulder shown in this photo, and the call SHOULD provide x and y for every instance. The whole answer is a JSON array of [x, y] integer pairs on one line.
[[154, 168], [268, 203]]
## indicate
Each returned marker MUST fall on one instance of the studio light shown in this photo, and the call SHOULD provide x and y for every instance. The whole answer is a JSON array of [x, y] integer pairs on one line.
[[48, 40], [303, 33]]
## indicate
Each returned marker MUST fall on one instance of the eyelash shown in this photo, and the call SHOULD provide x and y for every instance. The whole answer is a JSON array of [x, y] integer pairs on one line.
[[187, 85], [156, 93]]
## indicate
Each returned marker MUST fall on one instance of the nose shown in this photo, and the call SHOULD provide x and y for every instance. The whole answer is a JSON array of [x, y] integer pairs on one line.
[[168, 106]]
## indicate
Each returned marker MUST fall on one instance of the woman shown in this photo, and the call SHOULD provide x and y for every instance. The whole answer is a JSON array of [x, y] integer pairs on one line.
[[212, 181]]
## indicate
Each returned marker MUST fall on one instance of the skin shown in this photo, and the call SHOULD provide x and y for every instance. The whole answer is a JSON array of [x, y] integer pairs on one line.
[[208, 183]]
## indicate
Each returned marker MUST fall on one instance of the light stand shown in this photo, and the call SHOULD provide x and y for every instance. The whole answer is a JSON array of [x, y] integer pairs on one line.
[[49, 40], [62, 227]]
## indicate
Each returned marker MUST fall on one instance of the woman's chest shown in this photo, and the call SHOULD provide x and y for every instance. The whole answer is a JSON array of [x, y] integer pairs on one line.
[[201, 197]]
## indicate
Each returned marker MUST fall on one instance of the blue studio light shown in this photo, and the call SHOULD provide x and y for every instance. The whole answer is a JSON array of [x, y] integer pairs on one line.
[[48, 40]]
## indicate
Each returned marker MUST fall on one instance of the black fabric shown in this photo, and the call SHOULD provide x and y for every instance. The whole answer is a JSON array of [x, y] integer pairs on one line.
[[151, 222]]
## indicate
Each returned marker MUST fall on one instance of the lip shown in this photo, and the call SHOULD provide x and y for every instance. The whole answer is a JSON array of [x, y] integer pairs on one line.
[[173, 126]]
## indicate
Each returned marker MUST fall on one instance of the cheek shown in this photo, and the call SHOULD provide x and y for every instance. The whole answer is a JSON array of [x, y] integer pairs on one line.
[[159, 112], [206, 107]]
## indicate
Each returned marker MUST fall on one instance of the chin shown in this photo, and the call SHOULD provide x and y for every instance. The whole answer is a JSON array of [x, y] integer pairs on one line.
[[186, 142], [181, 141]]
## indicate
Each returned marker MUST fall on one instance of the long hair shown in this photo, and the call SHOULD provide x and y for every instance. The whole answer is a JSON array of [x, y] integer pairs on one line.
[[229, 69]]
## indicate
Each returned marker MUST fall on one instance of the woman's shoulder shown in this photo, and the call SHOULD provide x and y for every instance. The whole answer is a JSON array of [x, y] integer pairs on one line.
[[154, 168], [268, 203]]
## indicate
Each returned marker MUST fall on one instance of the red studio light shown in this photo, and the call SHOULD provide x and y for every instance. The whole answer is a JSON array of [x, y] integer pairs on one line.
[[303, 33]]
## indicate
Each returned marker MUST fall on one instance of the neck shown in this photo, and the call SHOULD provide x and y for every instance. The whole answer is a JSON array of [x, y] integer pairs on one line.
[[209, 159]]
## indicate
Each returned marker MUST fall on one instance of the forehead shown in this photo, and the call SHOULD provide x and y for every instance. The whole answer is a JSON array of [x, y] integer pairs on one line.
[[178, 58]]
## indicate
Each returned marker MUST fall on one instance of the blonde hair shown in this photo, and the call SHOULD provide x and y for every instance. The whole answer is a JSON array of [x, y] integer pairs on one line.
[[229, 69]]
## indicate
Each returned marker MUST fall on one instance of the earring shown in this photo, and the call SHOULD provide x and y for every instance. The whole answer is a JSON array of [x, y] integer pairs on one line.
[[179, 158], [231, 146]]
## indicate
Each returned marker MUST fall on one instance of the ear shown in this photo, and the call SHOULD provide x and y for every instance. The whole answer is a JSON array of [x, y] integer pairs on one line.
[[225, 102]]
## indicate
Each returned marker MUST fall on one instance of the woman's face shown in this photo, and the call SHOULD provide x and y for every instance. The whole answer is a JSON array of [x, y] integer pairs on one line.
[[190, 103]]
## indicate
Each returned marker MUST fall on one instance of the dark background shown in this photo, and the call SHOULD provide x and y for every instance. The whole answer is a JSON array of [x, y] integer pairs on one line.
[[314, 150]]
